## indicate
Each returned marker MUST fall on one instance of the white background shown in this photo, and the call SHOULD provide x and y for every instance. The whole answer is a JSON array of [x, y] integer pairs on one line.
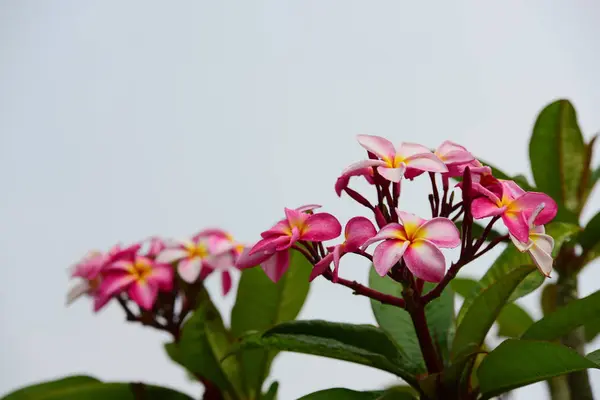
[[123, 119]]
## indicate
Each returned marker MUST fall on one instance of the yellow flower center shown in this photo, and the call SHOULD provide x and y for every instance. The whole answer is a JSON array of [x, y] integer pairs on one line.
[[199, 250], [141, 269]]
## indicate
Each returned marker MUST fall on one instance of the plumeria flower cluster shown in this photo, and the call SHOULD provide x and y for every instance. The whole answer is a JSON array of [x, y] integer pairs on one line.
[[155, 273], [409, 248]]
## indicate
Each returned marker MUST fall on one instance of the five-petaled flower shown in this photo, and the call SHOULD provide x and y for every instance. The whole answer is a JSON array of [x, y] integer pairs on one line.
[[417, 242], [392, 164], [507, 199], [273, 251], [140, 276], [455, 156], [539, 246], [358, 230]]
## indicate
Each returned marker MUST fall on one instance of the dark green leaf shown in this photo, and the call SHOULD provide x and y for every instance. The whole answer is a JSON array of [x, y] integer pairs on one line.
[[548, 301], [342, 394], [557, 153], [517, 363], [510, 259], [262, 304], [589, 239], [513, 321], [485, 309], [594, 178], [463, 286], [397, 322], [565, 319], [271, 394], [592, 329], [75, 388], [361, 344], [203, 343], [478, 229]]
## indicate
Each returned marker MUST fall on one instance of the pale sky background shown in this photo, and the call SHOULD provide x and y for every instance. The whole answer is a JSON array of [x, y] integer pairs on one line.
[[122, 119]]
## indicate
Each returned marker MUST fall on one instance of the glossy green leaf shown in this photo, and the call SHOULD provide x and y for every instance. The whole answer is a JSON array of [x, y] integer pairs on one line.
[[485, 309], [397, 322], [510, 259], [262, 304], [589, 239], [204, 342], [86, 388], [592, 328], [361, 344], [557, 152], [342, 394], [516, 363], [271, 394], [565, 319], [463, 286]]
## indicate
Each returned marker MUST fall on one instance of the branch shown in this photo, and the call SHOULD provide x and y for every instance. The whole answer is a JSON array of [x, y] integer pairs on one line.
[[365, 291]]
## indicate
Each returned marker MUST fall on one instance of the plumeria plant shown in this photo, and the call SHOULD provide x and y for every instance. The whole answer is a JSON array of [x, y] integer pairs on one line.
[[435, 352]]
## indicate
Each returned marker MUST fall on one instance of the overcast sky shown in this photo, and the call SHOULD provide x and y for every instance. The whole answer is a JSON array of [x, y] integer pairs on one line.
[[121, 119]]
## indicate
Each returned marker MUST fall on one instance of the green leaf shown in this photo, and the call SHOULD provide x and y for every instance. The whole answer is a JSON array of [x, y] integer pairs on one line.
[[485, 309], [589, 239], [521, 180], [463, 286], [397, 322], [510, 259], [271, 394], [594, 178], [86, 388], [513, 321], [592, 329], [262, 304], [203, 344], [478, 229], [343, 394], [516, 363], [557, 153], [361, 344], [548, 300], [565, 319]]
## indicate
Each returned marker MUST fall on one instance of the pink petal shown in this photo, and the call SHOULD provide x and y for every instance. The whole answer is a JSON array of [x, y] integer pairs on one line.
[[411, 222], [144, 294], [453, 153], [189, 269], [387, 254], [425, 261], [321, 266], [483, 207], [211, 232], [516, 225], [171, 255], [295, 218], [512, 189], [362, 164], [377, 145], [226, 282], [321, 226], [291, 240], [77, 291], [528, 202], [408, 149], [127, 253], [247, 260], [337, 254], [522, 247], [280, 228], [308, 207], [113, 283], [541, 253], [162, 276], [412, 173], [276, 265], [270, 244], [390, 231], [100, 301], [156, 246], [440, 231], [342, 182], [392, 174], [426, 162], [358, 230]]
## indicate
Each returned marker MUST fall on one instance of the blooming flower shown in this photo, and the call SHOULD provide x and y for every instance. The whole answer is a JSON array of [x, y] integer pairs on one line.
[[358, 230], [539, 245], [272, 252], [507, 199], [392, 164], [417, 242], [142, 277], [452, 154], [342, 182]]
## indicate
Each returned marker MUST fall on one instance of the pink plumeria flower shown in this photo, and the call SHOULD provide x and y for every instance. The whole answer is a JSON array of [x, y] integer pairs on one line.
[[155, 246], [140, 276], [476, 168], [272, 252], [342, 182], [358, 230], [225, 251], [513, 204], [539, 246], [392, 164], [452, 154], [417, 242]]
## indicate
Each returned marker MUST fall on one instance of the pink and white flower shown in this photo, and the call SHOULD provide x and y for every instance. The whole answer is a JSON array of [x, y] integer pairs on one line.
[[417, 242], [358, 230], [342, 182], [539, 245], [272, 252], [511, 202], [392, 164], [140, 276], [453, 155]]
